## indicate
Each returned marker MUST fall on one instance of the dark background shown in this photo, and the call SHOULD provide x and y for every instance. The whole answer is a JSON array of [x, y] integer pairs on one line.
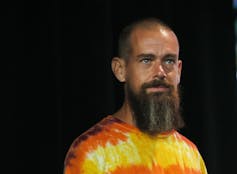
[[57, 80]]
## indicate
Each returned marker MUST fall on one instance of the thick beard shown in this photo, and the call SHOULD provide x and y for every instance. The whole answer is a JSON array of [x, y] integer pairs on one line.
[[156, 112]]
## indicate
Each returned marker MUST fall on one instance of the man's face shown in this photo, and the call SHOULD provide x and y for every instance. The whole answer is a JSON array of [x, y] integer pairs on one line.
[[154, 56], [151, 79]]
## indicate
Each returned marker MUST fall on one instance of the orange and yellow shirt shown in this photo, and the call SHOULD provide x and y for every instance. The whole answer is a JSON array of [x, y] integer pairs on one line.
[[115, 147]]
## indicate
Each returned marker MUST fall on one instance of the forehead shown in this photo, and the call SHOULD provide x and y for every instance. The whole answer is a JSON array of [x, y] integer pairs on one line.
[[157, 39]]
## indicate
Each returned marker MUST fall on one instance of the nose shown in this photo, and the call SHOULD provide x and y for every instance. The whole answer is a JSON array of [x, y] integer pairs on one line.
[[159, 71]]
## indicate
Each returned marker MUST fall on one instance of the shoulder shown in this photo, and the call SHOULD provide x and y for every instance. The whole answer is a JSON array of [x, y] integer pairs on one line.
[[192, 156], [108, 130], [184, 139]]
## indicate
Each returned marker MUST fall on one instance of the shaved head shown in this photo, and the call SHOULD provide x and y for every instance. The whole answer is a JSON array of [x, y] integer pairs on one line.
[[125, 46]]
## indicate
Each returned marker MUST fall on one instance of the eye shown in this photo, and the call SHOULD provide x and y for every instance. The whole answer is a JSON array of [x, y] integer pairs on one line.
[[170, 61], [146, 60]]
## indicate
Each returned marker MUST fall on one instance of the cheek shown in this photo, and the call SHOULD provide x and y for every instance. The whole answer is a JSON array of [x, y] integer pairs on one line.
[[174, 78], [177, 79], [135, 80]]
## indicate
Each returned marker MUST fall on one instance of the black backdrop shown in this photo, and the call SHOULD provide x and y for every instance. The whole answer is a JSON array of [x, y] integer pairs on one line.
[[58, 82]]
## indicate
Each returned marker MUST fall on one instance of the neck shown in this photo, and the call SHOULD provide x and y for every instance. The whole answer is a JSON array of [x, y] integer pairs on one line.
[[125, 114]]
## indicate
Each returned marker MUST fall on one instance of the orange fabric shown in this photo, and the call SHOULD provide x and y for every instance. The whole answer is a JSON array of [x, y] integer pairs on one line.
[[114, 147]]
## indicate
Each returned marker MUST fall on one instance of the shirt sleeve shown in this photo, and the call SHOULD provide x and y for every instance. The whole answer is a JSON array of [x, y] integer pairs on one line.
[[203, 166], [78, 163]]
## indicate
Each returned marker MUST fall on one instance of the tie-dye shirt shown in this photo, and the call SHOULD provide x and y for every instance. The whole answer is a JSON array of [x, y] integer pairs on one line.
[[115, 147]]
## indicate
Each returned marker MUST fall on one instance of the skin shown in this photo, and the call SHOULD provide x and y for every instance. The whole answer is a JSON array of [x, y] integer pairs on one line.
[[154, 55]]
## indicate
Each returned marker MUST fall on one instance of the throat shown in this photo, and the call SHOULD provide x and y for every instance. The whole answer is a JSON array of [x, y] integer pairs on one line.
[[125, 114]]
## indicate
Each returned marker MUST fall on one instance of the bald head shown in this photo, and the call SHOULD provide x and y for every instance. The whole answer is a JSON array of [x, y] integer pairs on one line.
[[125, 47]]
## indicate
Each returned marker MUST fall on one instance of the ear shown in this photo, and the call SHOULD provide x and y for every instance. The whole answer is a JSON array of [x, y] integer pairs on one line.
[[119, 68], [179, 70]]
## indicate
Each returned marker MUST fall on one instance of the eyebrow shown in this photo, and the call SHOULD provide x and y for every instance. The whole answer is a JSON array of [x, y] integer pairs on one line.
[[153, 56], [146, 55], [171, 55]]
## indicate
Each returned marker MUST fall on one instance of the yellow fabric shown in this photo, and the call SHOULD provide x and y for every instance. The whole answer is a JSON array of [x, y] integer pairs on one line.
[[114, 147]]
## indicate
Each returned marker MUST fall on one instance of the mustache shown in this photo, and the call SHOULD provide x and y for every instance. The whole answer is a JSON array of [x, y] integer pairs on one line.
[[157, 83]]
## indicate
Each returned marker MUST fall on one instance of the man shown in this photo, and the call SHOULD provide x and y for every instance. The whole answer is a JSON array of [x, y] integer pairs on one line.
[[142, 136]]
